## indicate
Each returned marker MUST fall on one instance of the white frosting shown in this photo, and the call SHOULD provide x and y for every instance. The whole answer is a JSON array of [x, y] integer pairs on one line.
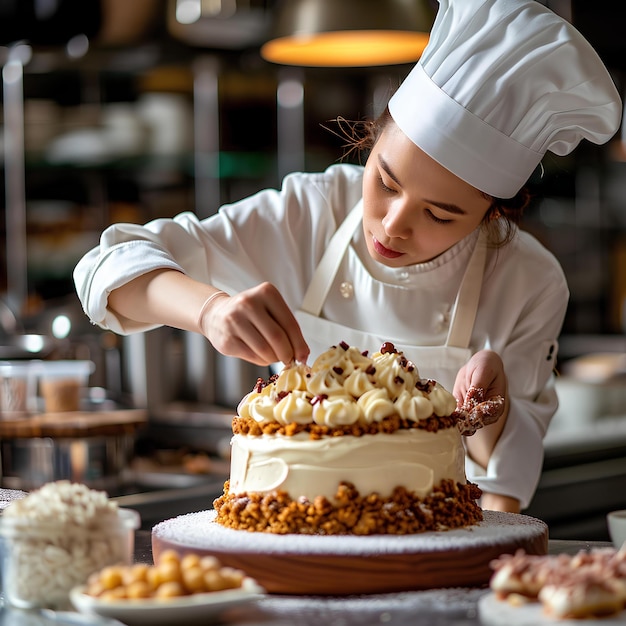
[[429, 604], [343, 387], [414, 458]]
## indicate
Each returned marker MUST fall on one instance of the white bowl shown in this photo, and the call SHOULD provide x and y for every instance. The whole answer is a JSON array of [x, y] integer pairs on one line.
[[199, 608], [616, 521]]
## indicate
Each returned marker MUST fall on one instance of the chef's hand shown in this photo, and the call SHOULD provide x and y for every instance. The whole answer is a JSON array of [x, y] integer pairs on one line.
[[499, 502], [483, 379], [484, 372], [255, 325]]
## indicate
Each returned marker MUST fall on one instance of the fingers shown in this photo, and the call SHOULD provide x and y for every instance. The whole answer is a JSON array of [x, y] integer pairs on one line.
[[477, 411], [290, 343], [489, 411], [258, 326], [261, 346], [480, 389], [485, 372]]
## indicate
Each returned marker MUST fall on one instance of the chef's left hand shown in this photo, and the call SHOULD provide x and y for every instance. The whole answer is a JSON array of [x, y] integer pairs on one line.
[[484, 375]]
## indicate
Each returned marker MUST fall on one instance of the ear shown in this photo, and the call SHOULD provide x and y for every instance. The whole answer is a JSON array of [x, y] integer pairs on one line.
[[493, 213]]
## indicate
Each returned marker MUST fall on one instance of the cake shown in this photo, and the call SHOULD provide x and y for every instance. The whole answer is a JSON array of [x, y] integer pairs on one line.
[[347, 473], [356, 444]]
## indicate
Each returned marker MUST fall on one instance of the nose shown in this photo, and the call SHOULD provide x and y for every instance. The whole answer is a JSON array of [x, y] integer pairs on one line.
[[398, 221]]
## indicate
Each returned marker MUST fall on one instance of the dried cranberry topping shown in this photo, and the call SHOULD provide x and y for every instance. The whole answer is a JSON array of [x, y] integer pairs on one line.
[[425, 384], [387, 348], [319, 398]]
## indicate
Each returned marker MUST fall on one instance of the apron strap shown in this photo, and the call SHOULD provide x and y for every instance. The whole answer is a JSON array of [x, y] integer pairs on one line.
[[466, 302], [328, 267]]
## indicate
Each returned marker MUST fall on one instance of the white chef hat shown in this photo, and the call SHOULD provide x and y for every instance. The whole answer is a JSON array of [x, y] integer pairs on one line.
[[499, 84]]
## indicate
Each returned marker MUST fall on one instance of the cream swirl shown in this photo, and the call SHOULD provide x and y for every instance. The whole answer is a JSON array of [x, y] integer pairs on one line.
[[414, 407], [376, 405], [358, 383], [294, 407], [342, 360], [260, 408], [293, 377], [325, 383], [243, 408], [442, 400], [392, 373], [338, 410], [344, 386]]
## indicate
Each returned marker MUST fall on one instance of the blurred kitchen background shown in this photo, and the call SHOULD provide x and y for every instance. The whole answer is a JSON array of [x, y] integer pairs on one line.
[[128, 110]]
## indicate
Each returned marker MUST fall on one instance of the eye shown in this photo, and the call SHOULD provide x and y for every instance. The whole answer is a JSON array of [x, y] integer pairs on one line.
[[436, 219], [384, 187]]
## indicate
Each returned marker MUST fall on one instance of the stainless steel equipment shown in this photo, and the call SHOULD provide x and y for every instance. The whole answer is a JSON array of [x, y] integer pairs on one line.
[[189, 390], [94, 461], [88, 447], [166, 366]]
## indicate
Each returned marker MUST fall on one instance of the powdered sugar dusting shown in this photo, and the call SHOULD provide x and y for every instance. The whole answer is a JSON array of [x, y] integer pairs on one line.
[[9, 495], [12, 494], [200, 531], [477, 410], [433, 602]]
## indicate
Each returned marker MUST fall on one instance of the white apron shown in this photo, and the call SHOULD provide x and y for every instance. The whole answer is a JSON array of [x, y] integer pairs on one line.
[[440, 363]]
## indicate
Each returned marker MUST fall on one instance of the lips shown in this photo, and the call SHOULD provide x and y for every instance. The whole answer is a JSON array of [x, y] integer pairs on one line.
[[385, 252]]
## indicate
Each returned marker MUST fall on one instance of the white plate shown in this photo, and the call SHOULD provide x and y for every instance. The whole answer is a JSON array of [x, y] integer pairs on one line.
[[495, 612], [184, 610]]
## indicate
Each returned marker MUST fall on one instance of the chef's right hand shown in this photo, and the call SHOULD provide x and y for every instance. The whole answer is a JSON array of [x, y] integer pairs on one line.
[[255, 325]]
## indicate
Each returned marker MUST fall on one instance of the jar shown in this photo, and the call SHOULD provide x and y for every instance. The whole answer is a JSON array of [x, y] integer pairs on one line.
[[17, 389], [43, 560], [62, 383]]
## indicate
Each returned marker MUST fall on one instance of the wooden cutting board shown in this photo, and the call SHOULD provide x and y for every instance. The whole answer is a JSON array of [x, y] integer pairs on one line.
[[75, 424]]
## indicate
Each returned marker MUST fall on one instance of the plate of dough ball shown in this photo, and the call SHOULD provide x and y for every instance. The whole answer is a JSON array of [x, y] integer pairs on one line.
[[177, 589]]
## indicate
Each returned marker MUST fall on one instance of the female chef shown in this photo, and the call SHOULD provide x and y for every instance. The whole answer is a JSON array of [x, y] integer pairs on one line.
[[414, 248]]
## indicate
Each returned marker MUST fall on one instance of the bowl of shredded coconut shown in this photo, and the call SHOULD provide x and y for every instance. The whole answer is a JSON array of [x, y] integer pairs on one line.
[[55, 537]]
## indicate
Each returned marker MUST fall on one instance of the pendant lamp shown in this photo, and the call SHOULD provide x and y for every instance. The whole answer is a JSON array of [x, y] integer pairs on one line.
[[349, 33]]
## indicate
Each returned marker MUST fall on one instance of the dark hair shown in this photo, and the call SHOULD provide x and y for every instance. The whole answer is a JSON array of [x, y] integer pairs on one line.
[[503, 213]]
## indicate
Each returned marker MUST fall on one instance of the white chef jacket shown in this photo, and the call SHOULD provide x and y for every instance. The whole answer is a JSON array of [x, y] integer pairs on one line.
[[280, 236]]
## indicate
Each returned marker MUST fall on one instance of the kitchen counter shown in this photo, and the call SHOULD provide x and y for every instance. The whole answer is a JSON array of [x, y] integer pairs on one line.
[[583, 477], [437, 607]]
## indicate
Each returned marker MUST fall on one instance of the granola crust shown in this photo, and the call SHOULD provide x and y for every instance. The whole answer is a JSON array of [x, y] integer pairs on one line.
[[249, 426], [450, 505]]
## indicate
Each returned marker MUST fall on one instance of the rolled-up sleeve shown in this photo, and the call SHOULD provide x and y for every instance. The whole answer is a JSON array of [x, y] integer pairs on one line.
[[515, 465], [529, 353], [243, 244], [127, 251]]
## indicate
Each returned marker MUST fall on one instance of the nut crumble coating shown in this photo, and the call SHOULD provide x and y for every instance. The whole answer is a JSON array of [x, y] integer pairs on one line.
[[450, 505]]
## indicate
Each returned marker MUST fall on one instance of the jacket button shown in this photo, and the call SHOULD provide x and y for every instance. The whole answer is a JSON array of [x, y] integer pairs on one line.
[[346, 289]]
